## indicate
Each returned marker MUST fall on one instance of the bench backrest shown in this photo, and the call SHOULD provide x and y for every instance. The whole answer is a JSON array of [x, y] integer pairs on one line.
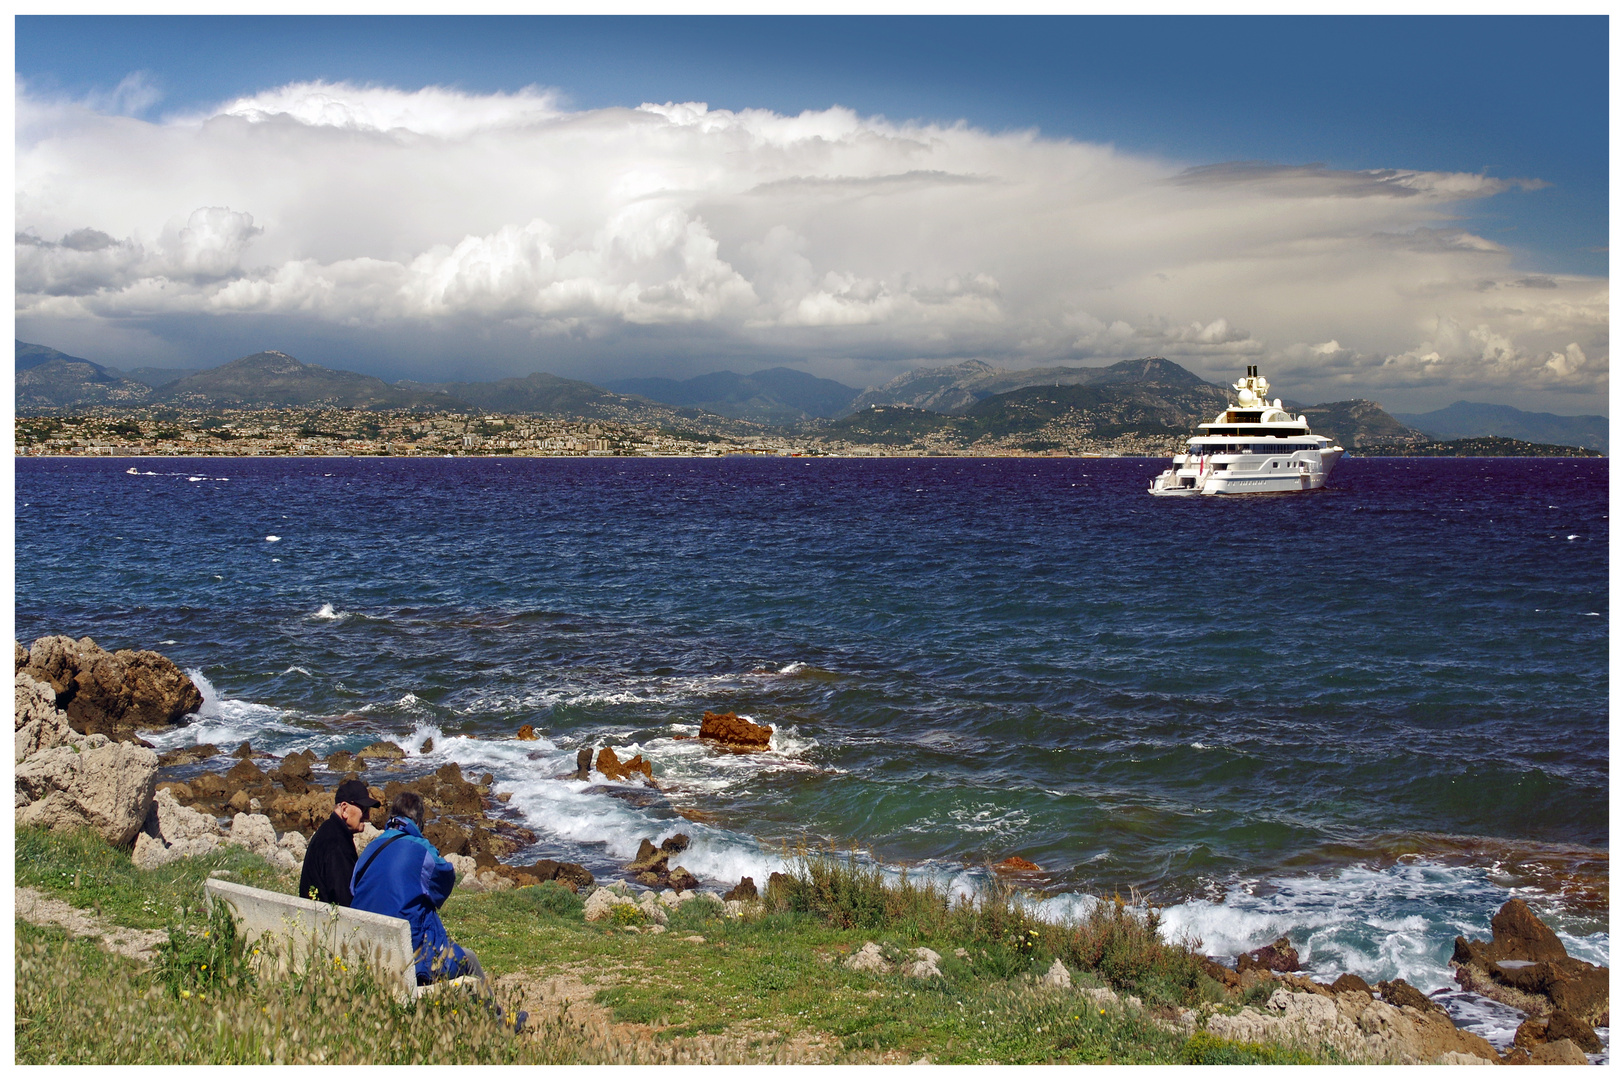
[[381, 940]]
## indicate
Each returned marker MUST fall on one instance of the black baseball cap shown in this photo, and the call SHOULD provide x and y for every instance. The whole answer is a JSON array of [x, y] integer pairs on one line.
[[355, 793]]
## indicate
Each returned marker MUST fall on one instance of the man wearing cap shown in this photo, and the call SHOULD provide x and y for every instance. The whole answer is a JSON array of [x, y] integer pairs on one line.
[[330, 857]]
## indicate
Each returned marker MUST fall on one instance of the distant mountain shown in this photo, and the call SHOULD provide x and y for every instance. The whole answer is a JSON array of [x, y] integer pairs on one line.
[[777, 395], [155, 377], [1360, 425], [955, 389], [48, 379], [274, 380], [1485, 446], [537, 393], [1467, 419]]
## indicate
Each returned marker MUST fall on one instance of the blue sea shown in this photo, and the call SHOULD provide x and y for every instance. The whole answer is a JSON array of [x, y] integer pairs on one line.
[[1362, 717]]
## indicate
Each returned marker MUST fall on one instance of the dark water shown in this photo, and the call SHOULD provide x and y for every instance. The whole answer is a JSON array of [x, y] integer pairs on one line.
[[1390, 694]]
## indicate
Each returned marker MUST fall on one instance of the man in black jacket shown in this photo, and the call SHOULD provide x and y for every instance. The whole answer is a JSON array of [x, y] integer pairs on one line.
[[330, 857]]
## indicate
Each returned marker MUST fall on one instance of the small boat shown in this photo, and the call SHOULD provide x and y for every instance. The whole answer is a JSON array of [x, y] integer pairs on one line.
[[1254, 447], [133, 471]]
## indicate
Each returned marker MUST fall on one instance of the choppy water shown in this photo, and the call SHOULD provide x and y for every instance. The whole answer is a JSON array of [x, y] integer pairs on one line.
[[1362, 717]]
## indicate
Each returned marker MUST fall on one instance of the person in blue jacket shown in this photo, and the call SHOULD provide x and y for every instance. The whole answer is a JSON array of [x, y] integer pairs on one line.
[[402, 874]]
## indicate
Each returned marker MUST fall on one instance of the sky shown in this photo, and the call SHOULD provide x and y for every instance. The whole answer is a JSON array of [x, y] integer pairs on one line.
[[1412, 210]]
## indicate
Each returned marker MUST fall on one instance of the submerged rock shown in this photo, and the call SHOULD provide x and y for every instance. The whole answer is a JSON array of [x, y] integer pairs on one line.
[[615, 769]]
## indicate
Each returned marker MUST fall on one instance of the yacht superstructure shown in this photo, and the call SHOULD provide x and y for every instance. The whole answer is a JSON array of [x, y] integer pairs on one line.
[[1253, 447]]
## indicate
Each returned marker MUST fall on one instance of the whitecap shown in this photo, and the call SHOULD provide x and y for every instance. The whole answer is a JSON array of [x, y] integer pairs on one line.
[[272, 539], [327, 612]]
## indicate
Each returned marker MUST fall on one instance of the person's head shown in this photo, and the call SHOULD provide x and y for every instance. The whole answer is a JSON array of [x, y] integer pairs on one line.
[[352, 803], [408, 805]]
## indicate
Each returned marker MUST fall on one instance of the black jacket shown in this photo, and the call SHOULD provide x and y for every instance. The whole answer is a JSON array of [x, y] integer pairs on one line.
[[328, 863]]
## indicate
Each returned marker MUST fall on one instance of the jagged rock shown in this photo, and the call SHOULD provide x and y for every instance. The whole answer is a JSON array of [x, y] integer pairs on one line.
[[245, 749], [648, 859], [744, 890], [1278, 956], [40, 724], [615, 769], [427, 747], [868, 958], [1349, 981], [583, 763], [574, 875], [1016, 865], [255, 832], [93, 783], [682, 880], [676, 842], [1560, 1052], [244, 774], [1526, 966], [449, 837], [1561, 1024], [1057, 976], [652, 909], [115, 693], [340, 761], [300, 813], [735, 732], [527, 733], [1218, 972], [1354, 1024]]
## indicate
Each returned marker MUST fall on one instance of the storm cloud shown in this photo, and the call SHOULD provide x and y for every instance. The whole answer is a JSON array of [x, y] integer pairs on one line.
[[655, 240]]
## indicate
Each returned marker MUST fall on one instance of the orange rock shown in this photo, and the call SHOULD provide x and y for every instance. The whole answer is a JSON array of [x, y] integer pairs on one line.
[[615, 769], [734, 732], [1017, 865], [528, 734]]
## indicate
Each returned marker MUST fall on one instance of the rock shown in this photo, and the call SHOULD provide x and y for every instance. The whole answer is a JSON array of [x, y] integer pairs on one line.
[[112, 694], [92, 783], [527, 733], [652, 909], [1017, 865], [924, 965], [1525, 966], [1348, 981], [574, 875], [1057, 976], [674, 843], [1354, 1024], [583, 763], [868, 958], [294, 844], [239, 802], [1560, 1052], [650, 859], [187, 755], [1225, 977], [735, 732], [1278, 956], [40, 724], [744, 890], [301, 813], [682, 880], [601, 904], [381, 751], [615, 769], [244, 774], [542, 869], [369, 832], [1562, 1024], [428, 746], [340, 761], [1400, 993], [466, 868], [780, 889], [173, 831], [245, 749]]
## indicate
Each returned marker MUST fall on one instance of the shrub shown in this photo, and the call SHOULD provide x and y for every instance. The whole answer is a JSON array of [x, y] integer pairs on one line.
[[1205, 1048]]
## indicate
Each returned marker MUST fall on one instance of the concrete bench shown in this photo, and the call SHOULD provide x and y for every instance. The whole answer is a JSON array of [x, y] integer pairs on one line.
[[381, 940]]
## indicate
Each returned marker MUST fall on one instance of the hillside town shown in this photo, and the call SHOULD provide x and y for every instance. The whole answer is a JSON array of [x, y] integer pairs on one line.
[[336, 432]]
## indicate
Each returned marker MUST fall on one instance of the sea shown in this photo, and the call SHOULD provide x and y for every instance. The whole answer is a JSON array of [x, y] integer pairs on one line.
[[1362, 717]]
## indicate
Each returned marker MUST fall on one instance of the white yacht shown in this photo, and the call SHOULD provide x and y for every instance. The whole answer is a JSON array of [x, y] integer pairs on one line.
[[1253, 447]]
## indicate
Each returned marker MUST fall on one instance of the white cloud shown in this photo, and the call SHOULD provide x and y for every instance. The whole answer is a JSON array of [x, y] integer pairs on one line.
[[823, 235]]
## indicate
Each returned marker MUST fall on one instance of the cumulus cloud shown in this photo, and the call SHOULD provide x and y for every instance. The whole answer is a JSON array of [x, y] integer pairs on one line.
[[826, 237]]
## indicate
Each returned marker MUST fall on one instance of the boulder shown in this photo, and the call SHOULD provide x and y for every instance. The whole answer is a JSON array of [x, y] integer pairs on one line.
[[254, 832], [601, 904], [1057, 977], [735, 732], [40, 724], [1278, 956], [302, 813], [427, 747], [649, 859], [527, 734], [245, 774], [615, 769], [676, 842], [112, 694], [744, 890], [682, 880], [1525, 966], [923, 965], [91, 783], [381, 751], [780, 889], [574, 875], [245, 749], [340, 761], [1400, 993], [583, 763], [187, 755], [1224, 976], [1349, 981], [1356, 1025], [449, 837]]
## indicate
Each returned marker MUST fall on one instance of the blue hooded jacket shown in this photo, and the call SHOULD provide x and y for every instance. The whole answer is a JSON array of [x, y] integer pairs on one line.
[[409, 880]]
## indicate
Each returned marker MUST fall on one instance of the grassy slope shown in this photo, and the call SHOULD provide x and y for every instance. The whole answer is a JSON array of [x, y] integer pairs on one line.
[[772, 985]]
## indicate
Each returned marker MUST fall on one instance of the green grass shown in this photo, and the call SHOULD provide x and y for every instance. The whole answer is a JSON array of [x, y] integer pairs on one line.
[[769, 987]]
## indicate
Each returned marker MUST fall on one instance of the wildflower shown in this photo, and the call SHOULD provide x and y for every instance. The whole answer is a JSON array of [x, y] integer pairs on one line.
[[186, 993]]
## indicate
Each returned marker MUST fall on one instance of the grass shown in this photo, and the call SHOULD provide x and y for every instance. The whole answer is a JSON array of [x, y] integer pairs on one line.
[[769, 987]]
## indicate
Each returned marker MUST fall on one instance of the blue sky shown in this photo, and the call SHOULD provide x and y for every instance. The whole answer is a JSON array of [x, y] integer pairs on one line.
[[1504, 98]]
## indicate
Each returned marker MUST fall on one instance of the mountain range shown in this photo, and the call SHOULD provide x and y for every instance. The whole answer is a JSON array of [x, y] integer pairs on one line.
[[1148, 396]]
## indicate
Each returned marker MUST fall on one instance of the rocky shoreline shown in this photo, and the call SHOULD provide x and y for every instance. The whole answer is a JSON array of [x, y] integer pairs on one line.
[[81, 763]]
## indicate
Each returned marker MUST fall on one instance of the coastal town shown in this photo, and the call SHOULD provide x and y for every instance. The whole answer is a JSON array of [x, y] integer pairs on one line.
[[338, 432]]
